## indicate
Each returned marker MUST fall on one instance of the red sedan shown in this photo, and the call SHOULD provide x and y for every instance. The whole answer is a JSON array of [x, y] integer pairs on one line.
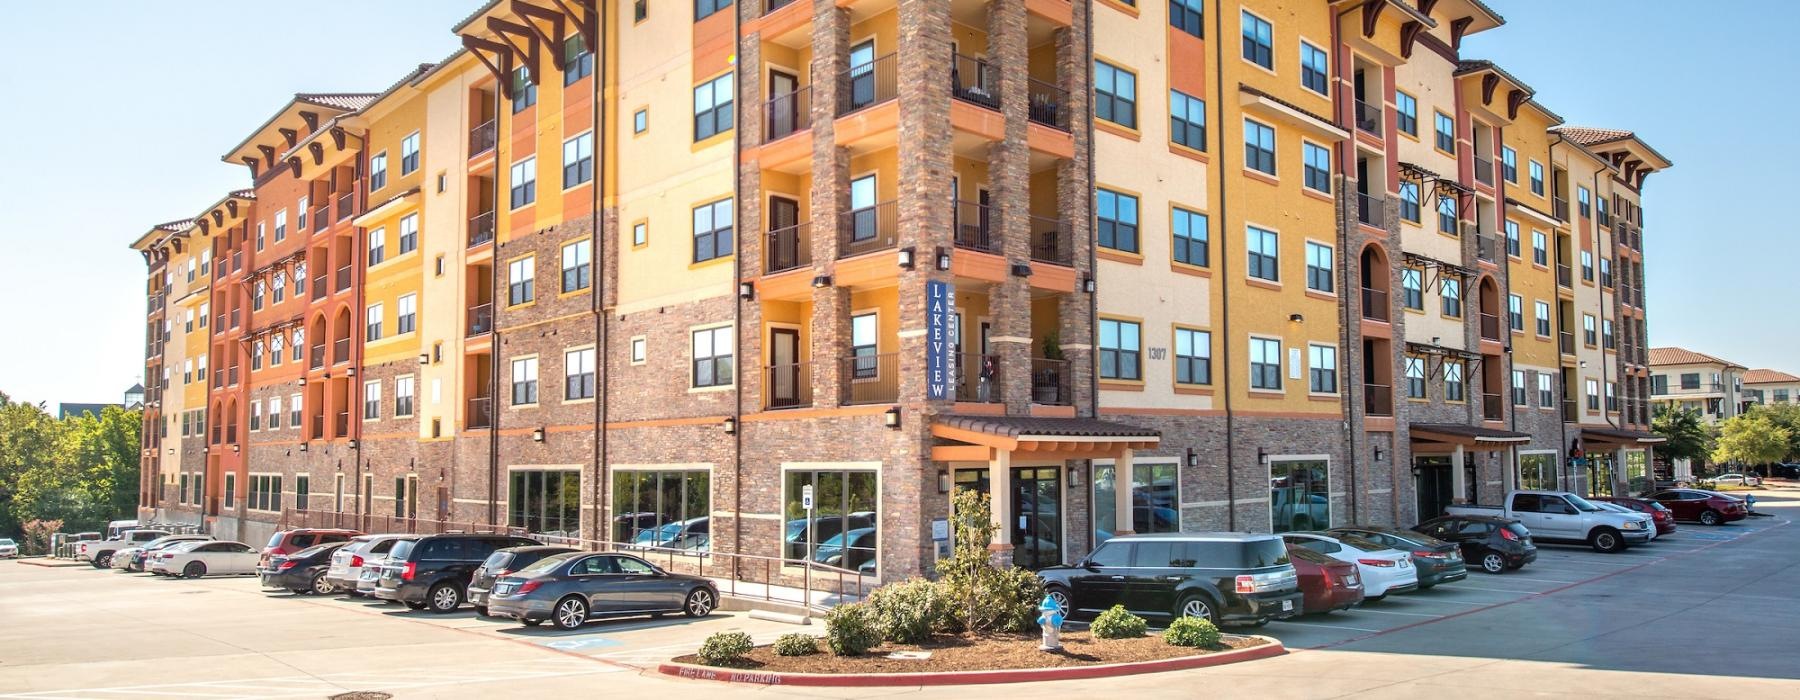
[[1327, 583], [1659, 513], [1706, 507]]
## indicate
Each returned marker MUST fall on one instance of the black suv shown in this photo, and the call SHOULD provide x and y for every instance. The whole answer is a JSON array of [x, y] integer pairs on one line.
[[1492, 543], [433, 571], [501, 563], [1224, 577]]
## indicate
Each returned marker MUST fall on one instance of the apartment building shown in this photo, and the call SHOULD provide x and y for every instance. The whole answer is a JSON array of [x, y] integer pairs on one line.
[[665, 273], [1771, 387], [1682, 379]]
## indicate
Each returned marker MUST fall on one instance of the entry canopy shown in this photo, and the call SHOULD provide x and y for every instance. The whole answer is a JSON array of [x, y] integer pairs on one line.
[[1614, 437], [1469, 436], [1037, 437]]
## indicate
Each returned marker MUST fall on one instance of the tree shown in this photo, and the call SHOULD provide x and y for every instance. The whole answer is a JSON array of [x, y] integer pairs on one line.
[[1787, 417], [1751, 438], [82, 470], [1687, 436]]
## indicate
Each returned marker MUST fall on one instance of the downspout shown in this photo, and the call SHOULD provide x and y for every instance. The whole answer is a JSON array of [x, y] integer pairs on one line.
[[1225, 289], [1348, 150], [597, 117], [737, 320], [493, 406], [1563, 424]]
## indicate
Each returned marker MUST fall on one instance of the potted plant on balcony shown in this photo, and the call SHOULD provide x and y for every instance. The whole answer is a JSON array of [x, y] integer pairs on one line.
[[1046, 382]]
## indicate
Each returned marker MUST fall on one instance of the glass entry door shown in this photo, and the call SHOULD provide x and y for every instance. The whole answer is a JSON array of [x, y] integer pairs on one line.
[[1037, 516], [1433, 485]]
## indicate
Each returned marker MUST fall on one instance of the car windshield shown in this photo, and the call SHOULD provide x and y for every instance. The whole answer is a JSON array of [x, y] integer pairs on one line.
[[401, 549], [497, 560], [1362, 544], [275, 540], [4, 542], [1264, 553], [314, 550], [546, 564], [1581, 503], [1305, 554]]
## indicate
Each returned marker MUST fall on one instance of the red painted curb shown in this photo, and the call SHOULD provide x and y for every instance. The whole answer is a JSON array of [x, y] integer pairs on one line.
[[1273, 647]]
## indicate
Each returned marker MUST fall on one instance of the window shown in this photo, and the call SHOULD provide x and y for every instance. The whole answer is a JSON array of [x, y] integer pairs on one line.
[[1322, 369], [1540, 249], [280, 225], [1690, 380], [1190, 237], [377, 246], [408, 314], [843, 532], [1318, 267], [1117, 215], [1264, 254], [1155, 494], [1414, 368], [1299, 495], [577, 60], [1606, 334], [378, 171], [257, 292], [1606, 277], [524, 91], [1409, 201], [276, 349], [265, 492], [1193, 356], [524, 182], [403, 397], [546, 501], [640, 350], [1587, 266], [578, 374], [578, 160], [1446, 133], [1188, 16], [577, 267], [372, 399], [302, 490], [1447, 215], [256, 357], [1259, 147], [299, 286], [1543, 319], [294, 405], [299, 346], [1120, 350], [1537, 471], [712, 357], [1583, 200], [640, 121], [712, 107], [1265, 364], [863, 333], [524, 381], [1314, 67], [1259, 41], [373, 322], [1454, 389], [1518, 387], [1515, 312], [231, 488], [1589, 333], [1537, 178], [409, 233], [1451, 292], [1512, 239], [275, 413], [1406, 113], [640, 234], [1115, 94], [520, 281], [1318, 167], [1187, 120], [712, 230], [705, 8], [1593, 395], [1546, 394], [280, 285], [671, 508], [1509, 164]]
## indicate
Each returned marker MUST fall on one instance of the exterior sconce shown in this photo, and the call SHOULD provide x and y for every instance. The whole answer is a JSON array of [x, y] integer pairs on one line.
[[730, 425], [1296, 318], [349, 371], [943, 258], [892, 418], [171, 450], [303, 381], [1584, 364], [1021, 270], [1075, 478], [906, 258], [424, 359], [1262, 456], [236, 449], [1377, 454], [537, 435], [1415, 470], [1087, 283], [303, 447], [943, 481], [821, 281], [1193, 458], [746, 291], [353, 444]]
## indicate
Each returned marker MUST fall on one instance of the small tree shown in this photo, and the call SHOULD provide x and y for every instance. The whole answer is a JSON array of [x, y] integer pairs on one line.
[[1687, 436], [986, 598], [1751, 438], [1787, 417]]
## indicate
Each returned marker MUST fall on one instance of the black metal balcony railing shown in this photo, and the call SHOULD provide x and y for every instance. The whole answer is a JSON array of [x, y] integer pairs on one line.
[[788, 248], [1374, 304], [1484, 170], [787, 114], [973, 226], [1368, 117], [1378, 400], [773, 5], [318, 356], [1490, 326], [231, 376], [1570, 408], [1565, 277], [343, 278], [869, 84], [237, 260], [1565, 342], [482, 138], [978, 378], [1484, 246], [481, 228], [234, 318], [868, 229], [975, 80], [346, 205], [1052, 382], [480, 413], [1370, 209], [869, 379], [1492, 408], [340, 351], [788, 386], [321, 217], [319, 290], [481, 320], [1560, 207], [1052, 240], [1048, 104], [342, 424]]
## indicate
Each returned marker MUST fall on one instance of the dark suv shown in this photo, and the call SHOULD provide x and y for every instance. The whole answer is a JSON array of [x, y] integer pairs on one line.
[[1495, 544], [433, 571], [502, 563], [1225, 577]]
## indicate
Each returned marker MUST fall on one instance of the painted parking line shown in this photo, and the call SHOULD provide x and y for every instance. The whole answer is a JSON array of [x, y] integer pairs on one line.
[[1394, 612], [1323, 626], [306, 686]]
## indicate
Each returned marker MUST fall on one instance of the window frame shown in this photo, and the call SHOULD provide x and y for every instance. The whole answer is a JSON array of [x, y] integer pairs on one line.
[[1316, 178], [521, 280], [718, 116], [1119, 352], [712, 237], [729, 373], [583, 265], [1182, 127], [1315, 274], [1183, 243], [522, 183], [1109, 104], [1257, 260], [1258, 46], [1406, 111], [1323, 73], [1112, 228], [528, 385], [1256, 155], [1197, 359], [1259, 366]]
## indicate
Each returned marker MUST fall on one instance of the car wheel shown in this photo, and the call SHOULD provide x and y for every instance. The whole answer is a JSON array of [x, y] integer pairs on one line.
[[1060, 596], [700, 603], [528, 622], [194, 569], [1606, 541], [1709, 518], [1195, 605], [444, 598], [571, 613], [1493, 562], [320, 586], [410, 604], [104, 561]]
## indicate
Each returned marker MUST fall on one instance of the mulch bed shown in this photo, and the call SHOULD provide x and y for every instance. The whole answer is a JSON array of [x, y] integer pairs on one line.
[[981, 653]]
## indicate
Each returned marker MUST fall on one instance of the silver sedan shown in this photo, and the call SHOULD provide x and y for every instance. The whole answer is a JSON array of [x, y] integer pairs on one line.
[[570, 589]]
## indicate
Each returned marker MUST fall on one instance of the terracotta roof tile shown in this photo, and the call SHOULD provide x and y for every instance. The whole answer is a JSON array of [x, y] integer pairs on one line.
[[1015, 426], [1769, 376], [1589, 135], [351, 101], [1684, 356]]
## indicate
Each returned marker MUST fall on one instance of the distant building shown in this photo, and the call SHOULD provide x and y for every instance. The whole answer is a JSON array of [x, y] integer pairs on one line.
[[1682, 378], [65, 410], [134, 397], [1771, 386]]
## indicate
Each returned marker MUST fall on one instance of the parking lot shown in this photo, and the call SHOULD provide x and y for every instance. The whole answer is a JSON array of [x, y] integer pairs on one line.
[[1687, 615]]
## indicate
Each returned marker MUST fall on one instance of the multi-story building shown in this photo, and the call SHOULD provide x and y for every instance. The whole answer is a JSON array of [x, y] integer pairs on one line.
[[1694, 381], [1771, 387], [1294, 264]]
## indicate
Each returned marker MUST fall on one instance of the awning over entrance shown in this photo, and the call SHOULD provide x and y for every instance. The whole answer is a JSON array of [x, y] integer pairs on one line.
[[1471, 437], [1036, 437], [1614, 437]]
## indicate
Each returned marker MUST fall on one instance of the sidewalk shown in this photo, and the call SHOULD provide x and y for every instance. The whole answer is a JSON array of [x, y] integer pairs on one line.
[[49, 563]]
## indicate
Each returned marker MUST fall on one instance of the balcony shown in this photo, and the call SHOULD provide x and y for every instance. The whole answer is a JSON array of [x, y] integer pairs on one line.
[[788, 386], [787, 114], [319, 290], [1565, 277], [482, 138], [481, 228], [1049, 105], [343, 278], [1368, 117], [480, 413], [770, 6], [481, 320], [1378, 400], [1492, 408], [1484, 246], [321, 217], [342, 424], [1565, 342], [868, 229], [978, 379], [1052, 382], [1370, 209], [973, 227], [1570, 409], [318, 356], [870, 379], [869, 84], [1484, 171], [975, 80], [231, 376], [231, 433], [318, 428], [1053, 241], [1560, 208], [237, 260], [340, 351], [1374, 304], [346, 205], [788, 248]]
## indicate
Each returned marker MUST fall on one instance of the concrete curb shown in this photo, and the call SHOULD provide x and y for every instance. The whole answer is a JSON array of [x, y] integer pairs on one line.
[[52, 563], [1272, 647]]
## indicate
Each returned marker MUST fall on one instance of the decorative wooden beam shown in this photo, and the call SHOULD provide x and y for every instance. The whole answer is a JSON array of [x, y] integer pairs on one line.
[[1371, 16], [252, 162], [555, 38], [1488, 83], [318, 152], [231, 208], [1631, 169], [218, 219], [269, 156], [203, 224], [1618, 158], [290, 135], [1425, 7], [1640, 179], [586, 22], [1409, 33], [312, 120], [294, 164], [1514, 100], [501, 63], [337, 137], [530, 51], [1457, 27]]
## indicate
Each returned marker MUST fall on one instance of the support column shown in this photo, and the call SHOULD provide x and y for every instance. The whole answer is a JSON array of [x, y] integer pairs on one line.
[[1620, 486], [1122, 480], [1000, 495], [1459, 481]]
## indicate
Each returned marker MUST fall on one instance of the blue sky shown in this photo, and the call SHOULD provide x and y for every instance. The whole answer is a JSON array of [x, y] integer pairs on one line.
[[117, 118]]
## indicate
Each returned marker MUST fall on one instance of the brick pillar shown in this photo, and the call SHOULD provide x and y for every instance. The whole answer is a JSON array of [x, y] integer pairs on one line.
[[1074, 196], [830, 196], [1009, 183], [750, 226], [925, 171]]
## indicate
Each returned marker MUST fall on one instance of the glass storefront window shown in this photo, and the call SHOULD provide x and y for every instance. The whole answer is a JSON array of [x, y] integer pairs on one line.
[[1155, 500], [669, 509], [545, 501], [1299, 495], [1637, 471], [843, 529], [1537, 472]]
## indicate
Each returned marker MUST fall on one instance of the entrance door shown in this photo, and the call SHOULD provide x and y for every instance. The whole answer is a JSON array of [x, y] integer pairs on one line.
[[1433, 486], [1037, 516], [784, 368], [784, 239], [784, 115]]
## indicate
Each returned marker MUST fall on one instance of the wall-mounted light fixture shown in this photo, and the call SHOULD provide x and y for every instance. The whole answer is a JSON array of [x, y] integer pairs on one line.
[[1193, 458], [236, 449], [537, 435], [1434, 339], [1416, 470], [1262, 456], [302, 381], [1377, 453], [424, 358], [943, 481], [730, 425], [943, 258], [303, 447], [1296, 318], [905, 258], [821, 281], [1584, 364], [1075, 478], [1021, 270], [354, 444], [1087, 283], [746, 290], [349, 371], [892, 417]]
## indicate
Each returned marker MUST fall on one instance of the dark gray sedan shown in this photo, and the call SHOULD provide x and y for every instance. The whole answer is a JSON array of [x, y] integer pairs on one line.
[[570, 589]]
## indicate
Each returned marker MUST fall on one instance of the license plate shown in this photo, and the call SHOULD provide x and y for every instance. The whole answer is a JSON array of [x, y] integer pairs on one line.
[[503, 589], [1287, 605], [1404, 564]]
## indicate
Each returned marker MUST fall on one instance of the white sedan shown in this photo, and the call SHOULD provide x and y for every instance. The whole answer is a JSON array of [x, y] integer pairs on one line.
[[1383, 569], [1736, 479], [127, 559], [196, 559], [1648, 523], [8, 548]]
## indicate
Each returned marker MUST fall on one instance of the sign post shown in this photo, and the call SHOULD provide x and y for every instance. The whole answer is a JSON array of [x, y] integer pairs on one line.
[[806, 501]]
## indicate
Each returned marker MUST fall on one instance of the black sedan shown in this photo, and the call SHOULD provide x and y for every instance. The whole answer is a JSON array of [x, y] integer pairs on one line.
[[302, 571], [570, 589], [1493, 543], [1437, 561]]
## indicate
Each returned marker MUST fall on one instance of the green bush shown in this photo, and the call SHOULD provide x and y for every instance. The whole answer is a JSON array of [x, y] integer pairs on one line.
[[909, 612], [1118, 623], [796, 644], [724, 648], [984, 597], [852, 629], [1192, 632]]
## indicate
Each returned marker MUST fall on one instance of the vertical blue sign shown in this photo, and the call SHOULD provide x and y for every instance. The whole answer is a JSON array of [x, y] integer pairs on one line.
[[940, 340]]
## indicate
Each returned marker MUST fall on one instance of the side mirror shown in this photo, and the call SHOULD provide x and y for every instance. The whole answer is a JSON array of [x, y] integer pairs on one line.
[[1088, 565]]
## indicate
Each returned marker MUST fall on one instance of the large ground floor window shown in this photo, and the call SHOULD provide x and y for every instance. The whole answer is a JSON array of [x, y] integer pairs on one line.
[[1299, 495], [671, 509], [1637, 471], [545, 501], [1537, 471], [265, 492], [1155, 499], [843, 528]]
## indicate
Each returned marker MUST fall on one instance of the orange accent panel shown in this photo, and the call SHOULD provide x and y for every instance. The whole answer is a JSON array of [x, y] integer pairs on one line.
[[1059, 12], [1187, 63], [972, 408], [867, 269], [1055, 278], [977, 265], [786, 151], [867, 122], [815, 413], [980, 121], [713, 43], [790, 284], [780, 22], [1055, 142], [1378, 424], [1377, 329], [1041, 411]]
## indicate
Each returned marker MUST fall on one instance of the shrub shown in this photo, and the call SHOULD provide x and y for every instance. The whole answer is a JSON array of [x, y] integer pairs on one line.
[[983, 597], [724, 648], [796, 644], [1009, 602], [852, 629], [1118, 623], [1192, 632], [910, 611]]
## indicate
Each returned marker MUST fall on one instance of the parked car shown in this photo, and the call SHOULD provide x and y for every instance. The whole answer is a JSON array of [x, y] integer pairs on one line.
[[848, 550], [1224, 577], [1437, 561], [347, 561], [203, 558], [1736, 479], [1383, 569], [1328, 584], [132, 558], [1494, 544], [368, 578], [1785, 470], [8, 548], [290, 541], [99, 552], [1704, 507], [829, 526], [1560, 516], [433, 572], [303, 571], [1649, 523], [504, 562], [1660, 515], [681, 534], [571, 588]]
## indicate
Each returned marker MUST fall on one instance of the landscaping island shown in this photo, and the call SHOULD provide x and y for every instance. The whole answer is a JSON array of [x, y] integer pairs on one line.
[[988, 652]]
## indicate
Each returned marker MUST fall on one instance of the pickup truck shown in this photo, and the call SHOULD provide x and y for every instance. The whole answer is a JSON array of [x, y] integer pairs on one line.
[[1560, 516], [99, 552]]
